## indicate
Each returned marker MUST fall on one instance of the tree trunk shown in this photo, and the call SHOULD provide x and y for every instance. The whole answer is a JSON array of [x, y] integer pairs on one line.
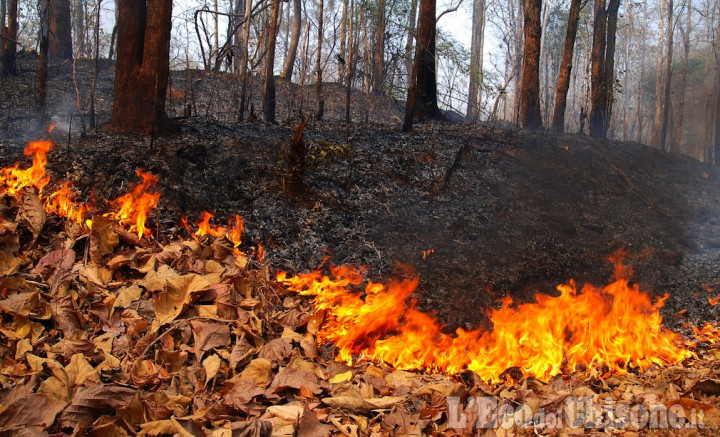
[[244, 55], [142, 67], [667, 80], [476, 62], [597, 79], [641, 79], [9, 40], [269, 89], [60, 31], [677, 135], [563, 85], [342, 56], [530, 117], [609, 64], [78, 24], [378, 74], [318, 65], [294, 41], [657, 121], [44, 43], [424, 77], [349, 60], [409, 58], [518, 47]]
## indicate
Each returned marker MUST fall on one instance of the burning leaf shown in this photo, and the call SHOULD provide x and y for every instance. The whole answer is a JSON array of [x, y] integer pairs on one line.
[[209, 335], [12, 179], [133, 208]]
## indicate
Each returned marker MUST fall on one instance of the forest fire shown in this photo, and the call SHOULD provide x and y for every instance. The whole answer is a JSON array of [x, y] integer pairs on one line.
[[132, 209], [599, 330], [13, 179]]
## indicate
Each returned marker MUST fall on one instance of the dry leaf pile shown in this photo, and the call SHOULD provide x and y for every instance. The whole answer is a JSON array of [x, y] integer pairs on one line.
[[104, 334]]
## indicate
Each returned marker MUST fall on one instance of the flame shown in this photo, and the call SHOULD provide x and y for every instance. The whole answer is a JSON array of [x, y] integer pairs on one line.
[[205, 228], [233, 231], [13, 179], [132, 209], [607, 329], [63, 203]]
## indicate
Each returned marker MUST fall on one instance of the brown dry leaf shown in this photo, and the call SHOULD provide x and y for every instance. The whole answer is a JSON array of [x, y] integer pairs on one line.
[[79, 370], [93, 400], [211, 365], [9, 263], [103, 239], [147, 372], [708, 386], [156, 281], [20, 303], [240, 352], [31, 211], [31, 410], [66, 316], [258, 371], [209, 335], [242, 393], [276, 350], [295, 379], [251, 428], [57, 259], [178, 294], [362, 406], [310, 426], [127, 295]]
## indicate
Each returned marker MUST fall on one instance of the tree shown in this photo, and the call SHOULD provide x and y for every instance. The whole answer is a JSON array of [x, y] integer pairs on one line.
[[530, 117], [657, 120], [410, 39], [9, 40], [318, 65], [244, 57], [677, 136], [422, 91], [142, 67], [60, 47], [294, 41], [44, 43], [667, 79], [269, 88], [378, 75], [603, 66], [476, 61], [78, 24], [563, 84]]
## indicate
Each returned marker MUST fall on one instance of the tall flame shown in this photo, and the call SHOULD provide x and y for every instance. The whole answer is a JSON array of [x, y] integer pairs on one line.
[[63, 203], [608, 329], [13, 179], [132, 209]]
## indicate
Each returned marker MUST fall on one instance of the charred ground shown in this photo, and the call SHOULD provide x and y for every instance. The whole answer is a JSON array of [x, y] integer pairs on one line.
[[505, 211]]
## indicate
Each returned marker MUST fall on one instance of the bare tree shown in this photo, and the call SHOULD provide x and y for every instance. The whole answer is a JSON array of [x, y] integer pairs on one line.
[[410, 39], [78, 24], [603, 66], [60, 31], [294, 41], [318, 65], [143, 66], [378, 74], [667, 79], [244, 58], [269, 89], [349, 61], [677, 135], [9, 40], [563, 84], [530, 117], [477, 43], [44, 43], [657, 120]]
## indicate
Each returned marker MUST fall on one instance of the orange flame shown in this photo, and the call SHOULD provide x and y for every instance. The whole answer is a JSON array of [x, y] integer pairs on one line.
[[233, 231], [132, 209], [603, 329], [63, 203], [205, 228], [13, 179]]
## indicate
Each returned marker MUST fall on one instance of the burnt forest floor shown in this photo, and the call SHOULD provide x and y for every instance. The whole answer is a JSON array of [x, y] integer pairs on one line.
[[503, 211]]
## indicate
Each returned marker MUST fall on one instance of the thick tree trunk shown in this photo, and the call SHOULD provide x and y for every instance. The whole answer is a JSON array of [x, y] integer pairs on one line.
[[677, 135], [530, 117], [563, 85], [294, 41], [318, 64], [269, 89], [597, 78], [424, 77], [243, 61], [342, 56], [409, 58], [477, 43], [667, 80], [9, 40], [609, 64], [142, 68], [378, 75], [60, 31]]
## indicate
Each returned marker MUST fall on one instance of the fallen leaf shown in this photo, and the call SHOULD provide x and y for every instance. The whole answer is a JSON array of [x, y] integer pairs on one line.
[[103, 239], [310, 426], [209, 335], [295, 379], [211, 365], [241, 351], [32, 410], [707, 386], [57, 259], [31, 211], [276, 350], [127, 295], [258, 371], [178, 294], [93, 400], [66, 316], [341, 377], [79, 371]]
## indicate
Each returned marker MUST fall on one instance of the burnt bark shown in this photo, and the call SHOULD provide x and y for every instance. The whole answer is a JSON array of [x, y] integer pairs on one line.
[[563, 84], [530, 117], [318, 64], [60, 48], [44, 43], [242, 63], [603, 67], [677, 135], [294, 41], [409, 58], [422, 91], [269, 88], [349, 60], [78, 24], [9, 40], [476, 61], [667, 106], [142, 68]]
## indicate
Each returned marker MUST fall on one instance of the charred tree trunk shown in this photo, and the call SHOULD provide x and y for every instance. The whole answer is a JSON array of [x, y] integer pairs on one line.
[[44, 43], [476, 62], [422, 91], [60, 48], [142, 68], [244, 55], [269, 88], [78, 24], [9, 40], [318, 65], [294, 41], [657, 120], [409, 58], [530, 117], [563, 85], [349, 61], [378, 75], [667, 106], [609, 63], [597, 79]]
